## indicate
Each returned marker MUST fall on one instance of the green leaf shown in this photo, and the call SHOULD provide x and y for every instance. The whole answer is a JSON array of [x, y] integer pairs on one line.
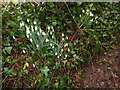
[[79, 3], [45, 70], [51, 4], [8, 49]]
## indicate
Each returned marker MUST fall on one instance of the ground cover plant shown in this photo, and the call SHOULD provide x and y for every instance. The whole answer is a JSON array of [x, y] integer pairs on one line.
[[46, 44]]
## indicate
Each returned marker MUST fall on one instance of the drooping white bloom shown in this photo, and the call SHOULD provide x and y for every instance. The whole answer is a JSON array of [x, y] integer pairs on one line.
[[83, 11], [35, 22], [50, 33], [74, 55], [58, 57], [66, 45], [91, 20], [21, 24], [52, 36], [68, 49], [32, 28], [48, 28], [38, 33], [91, 14], [40, 30], [31, 40], [55, 53], [33, 65], [28, 20], [62, 50], [79, 15], [63, 39], [63, 34], [24, 51], [66, 37], [43, 33], [13, 37], [27, 30], [37, 45], [35, 27], [47, 40], [65, 55], [51, 45]]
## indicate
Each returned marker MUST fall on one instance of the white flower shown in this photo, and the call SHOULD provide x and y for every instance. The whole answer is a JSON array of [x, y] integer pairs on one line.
[[58, 57], [50, 33], [33, 65], [62, 50], [28, 20], [51, 45], [83, 11], [35, 27], [53, 30], [32, 28], [51, 27], [91, 20], [47, 40], [40, 30], [35, 22], [13, 37], [66, 45], [66, 37], [37, 45], [91, 14], [43, 33], [52, 36], [38, 33], [79, 15], [74, 55], [68, 49], [27, 31], [48, 28], [63, 39], [24, 51], [65, 55], [63, 34], [21, 24], [55, 53], [31, 40]]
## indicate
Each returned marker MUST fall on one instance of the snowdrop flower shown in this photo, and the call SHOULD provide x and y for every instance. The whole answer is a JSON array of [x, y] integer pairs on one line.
[[35, 27], [31, 40], [63, 34], [21, 24], [28, 20], [33, 65], [37, 45], [50, 33], [13, 37], [48, 28], [23, 51], [65, 55], [91, 14], [53, 30], [38, 33], [62, 50], [43, 33], [32, 28], [83, 11], [52, 36], [68, 49], [66, 37], [74, 55], [27, 31], [63, 39], [51, 45], [96, 17], [47, 40], [58, 57], [40, 30], [79, 15], [55, 53], [66, 45], [35, 22]]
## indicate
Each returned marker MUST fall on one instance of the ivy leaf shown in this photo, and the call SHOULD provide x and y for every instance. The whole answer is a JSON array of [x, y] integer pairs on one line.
[[51, 4], [8, 49], [45, 70]]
